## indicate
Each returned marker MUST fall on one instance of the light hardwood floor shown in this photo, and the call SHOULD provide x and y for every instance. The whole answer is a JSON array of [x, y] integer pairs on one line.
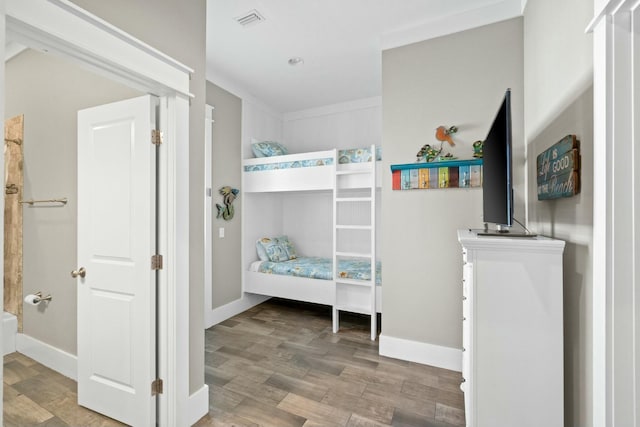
[[36, 396], [279, 364]]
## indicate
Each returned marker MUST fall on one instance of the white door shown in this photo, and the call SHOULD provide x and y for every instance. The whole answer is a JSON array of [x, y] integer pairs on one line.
[[116, 239]]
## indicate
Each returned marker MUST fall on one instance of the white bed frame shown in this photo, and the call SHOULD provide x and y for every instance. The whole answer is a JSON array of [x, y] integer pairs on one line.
[[317, 291], [303, 179]]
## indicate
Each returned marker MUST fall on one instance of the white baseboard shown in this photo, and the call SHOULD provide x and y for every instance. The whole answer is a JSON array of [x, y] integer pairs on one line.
[[220, 314], [419, 352], [47, 355], [198, 404]]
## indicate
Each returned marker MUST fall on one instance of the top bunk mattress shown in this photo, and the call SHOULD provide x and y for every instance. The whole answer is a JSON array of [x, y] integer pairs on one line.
[[306, 171], [311, 159]]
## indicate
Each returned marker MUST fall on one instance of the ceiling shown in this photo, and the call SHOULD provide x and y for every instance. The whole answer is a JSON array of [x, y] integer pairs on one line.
[[341, 42]]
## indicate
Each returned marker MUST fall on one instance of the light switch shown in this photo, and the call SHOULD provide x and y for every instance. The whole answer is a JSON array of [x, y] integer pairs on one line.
[[221, 232]]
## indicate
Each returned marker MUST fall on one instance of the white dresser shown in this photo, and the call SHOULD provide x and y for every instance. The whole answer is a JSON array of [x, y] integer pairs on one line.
[[512, 329]]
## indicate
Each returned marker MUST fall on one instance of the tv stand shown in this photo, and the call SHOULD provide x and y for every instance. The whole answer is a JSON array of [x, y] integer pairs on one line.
[[512, 356], [502, 233]]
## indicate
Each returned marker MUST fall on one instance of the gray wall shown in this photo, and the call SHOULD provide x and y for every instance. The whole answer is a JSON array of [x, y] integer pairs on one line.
[[49, 92], [225, 170], [457, 80], [558, 102], [177, 28]]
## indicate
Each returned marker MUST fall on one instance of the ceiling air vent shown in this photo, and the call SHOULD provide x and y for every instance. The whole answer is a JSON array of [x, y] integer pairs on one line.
[[250, 18]]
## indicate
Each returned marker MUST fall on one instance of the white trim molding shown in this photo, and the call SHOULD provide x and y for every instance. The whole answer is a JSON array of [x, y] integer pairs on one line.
[[198, 405], [473, 18], [325, 110], [420, 352], [47, 355], [220, 314], [208, 210], [616, 214], [55, 24]]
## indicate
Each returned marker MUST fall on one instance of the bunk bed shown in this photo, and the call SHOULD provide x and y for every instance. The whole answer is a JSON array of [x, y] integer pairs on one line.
[[352, 176]]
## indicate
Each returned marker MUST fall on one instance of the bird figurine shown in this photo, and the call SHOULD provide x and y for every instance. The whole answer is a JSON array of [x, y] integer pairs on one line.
[[444, 134]]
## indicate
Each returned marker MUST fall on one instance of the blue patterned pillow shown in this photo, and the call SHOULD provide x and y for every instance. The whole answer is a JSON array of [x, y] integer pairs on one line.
[[288, 247], [275, 249], [268, 149], [262, 253]]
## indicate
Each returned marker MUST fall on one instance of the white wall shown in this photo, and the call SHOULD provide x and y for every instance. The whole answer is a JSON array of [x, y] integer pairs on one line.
[[308, 217], [262, 213], [345, 125], [559, 101], [460, 80]]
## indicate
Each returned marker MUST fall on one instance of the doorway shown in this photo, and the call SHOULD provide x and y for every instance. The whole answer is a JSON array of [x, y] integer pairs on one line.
[[148, 71], [48, 91]]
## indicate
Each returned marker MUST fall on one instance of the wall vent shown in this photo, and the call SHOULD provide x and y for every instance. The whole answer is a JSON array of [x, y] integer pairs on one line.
[[250, 18]]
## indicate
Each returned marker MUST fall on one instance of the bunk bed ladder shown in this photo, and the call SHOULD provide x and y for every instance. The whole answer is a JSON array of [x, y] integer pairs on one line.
[[356, 296]]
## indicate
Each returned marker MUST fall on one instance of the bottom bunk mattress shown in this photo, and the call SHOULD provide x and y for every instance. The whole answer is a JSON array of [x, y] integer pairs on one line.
[[319, 268], [309, 279]]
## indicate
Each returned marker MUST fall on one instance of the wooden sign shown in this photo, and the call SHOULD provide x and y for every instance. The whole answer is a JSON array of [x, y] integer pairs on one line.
[[558, 169]]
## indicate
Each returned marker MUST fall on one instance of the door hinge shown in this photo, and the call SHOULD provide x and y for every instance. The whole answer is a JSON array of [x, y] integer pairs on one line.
[[156, 387], [156, 137], [156, 262]]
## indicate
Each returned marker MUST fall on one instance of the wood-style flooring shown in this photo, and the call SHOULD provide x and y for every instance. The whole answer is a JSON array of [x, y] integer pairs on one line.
[[36, 396], [278, 364]]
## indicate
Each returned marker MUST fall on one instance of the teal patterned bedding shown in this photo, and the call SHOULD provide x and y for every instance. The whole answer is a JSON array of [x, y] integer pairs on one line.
[[321, 268], [358, 155], [290, 165], [352, 155]]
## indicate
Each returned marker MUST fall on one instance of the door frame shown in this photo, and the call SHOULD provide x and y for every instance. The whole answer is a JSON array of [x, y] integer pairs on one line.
[[62, 28], [208, 213], [616, 219]]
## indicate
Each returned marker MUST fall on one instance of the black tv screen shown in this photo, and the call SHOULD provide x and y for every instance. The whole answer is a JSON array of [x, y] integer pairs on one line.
[[497, 192]]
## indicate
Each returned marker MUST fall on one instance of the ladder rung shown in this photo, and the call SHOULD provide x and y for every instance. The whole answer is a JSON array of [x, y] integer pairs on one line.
[[353, 199], [353, 254], [363, 283], [354, 227]]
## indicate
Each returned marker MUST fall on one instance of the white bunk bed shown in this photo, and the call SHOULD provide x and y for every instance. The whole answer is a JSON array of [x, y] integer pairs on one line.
[[323, 172]]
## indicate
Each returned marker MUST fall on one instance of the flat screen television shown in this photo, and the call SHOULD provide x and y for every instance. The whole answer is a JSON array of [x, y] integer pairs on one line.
[[497, 193], [497, 179]]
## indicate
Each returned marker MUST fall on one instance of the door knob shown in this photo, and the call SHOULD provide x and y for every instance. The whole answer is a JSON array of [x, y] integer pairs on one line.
[[79, 272]]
